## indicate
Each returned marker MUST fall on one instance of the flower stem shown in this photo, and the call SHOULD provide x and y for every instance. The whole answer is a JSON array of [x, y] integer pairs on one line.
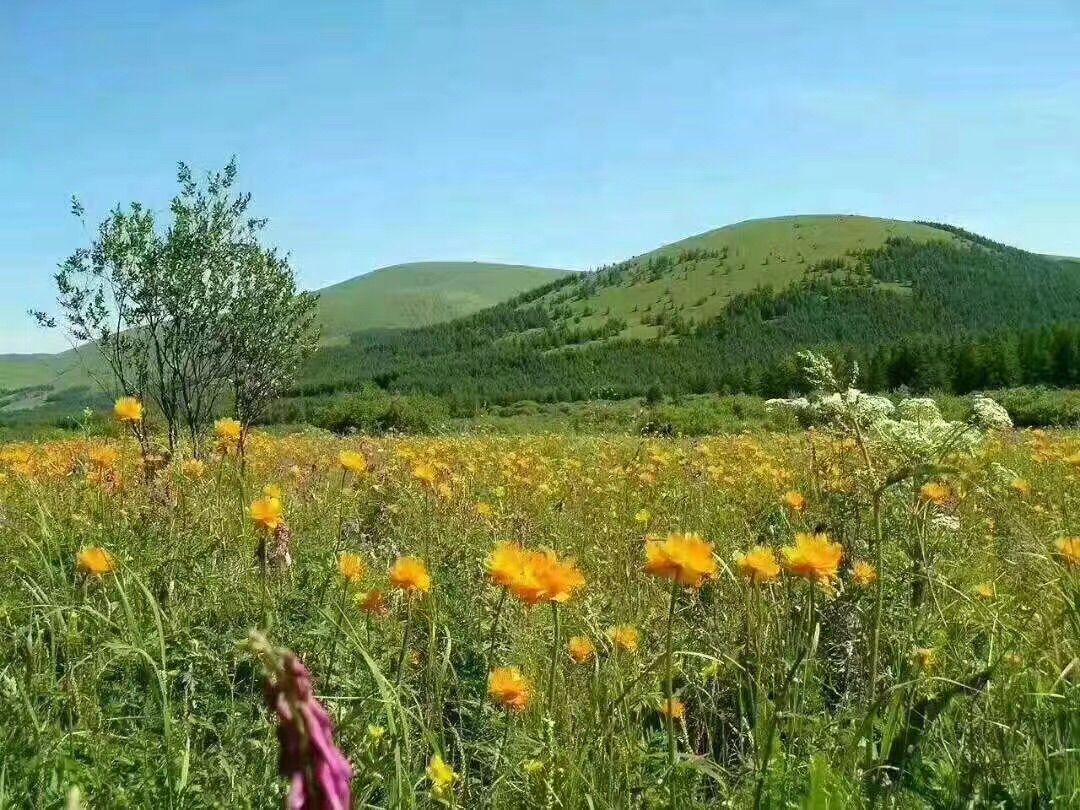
[[495, 622], [404, 641], [554, 654], [669, 720]]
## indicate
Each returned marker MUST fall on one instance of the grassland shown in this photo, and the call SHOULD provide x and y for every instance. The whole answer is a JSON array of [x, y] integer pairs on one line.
[[421, 293], [735, 259], [948, 677], [404, 295]]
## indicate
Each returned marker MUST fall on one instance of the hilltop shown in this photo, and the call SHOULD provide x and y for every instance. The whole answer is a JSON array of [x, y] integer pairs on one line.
[[695, 277], [923, 305], [422, 293]]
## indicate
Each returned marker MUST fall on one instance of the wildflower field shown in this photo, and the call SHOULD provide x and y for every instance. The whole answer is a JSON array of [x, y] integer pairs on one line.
[[838, 617]]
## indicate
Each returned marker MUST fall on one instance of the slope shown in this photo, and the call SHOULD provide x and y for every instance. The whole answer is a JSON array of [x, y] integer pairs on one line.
[[404, 295], [693, 279], [421, 293], [728, 310]]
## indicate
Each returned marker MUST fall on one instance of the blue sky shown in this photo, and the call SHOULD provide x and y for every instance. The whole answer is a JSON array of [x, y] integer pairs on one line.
[[566, 134]]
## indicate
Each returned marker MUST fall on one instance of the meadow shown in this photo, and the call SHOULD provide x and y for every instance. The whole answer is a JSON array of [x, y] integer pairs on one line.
[[809, 619]]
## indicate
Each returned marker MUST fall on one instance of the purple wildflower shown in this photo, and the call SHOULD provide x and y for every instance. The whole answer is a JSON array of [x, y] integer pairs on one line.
[[318, 772]]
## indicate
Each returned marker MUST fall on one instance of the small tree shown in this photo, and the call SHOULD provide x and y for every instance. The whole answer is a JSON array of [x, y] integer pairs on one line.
[[187, 316]]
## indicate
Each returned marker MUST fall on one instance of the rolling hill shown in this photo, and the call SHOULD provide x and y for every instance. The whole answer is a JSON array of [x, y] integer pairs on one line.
[[697, 276], [421, 293], [404, 295], [917, 304]]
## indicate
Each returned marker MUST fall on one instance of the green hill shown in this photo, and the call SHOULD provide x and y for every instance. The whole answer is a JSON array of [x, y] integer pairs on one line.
[[697, 276], [422, 293], [916, 304], [404, 295]]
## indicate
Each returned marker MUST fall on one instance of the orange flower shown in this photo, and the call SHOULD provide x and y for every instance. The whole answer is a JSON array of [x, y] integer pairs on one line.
[[683, 558], [814, 557], [227, 430], [986, 590], [128, 410], [1068, 548], [351, 567], [759, 565], [1022, 487], [353, 462], [506, 563], [863, 574], [673, 708], [546, 578], [509, 688], [409, 574], [193, 468], [582, 650], [625, 637], [373, 603], [96, 561], [795, 501], [104, 458], [937, 493], [266, 513]]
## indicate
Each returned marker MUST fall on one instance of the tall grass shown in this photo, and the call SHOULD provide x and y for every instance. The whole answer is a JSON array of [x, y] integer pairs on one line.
[[135, 686]]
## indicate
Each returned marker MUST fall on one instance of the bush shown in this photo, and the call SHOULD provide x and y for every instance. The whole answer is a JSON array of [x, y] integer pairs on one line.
[[379, 413]]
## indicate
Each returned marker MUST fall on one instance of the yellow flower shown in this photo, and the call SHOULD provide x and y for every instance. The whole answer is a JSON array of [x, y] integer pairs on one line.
[[673, 708], [506, 563], [814, 557], [937, 493], [643, 516], [683, 558], [352, 461], [193, 468], [266, 513], [582, 650], [625, 637], [1021, 486], [509, 688], [351, 567], [96, 561], [926, 658], [104, 458], [426, 474], [376, 733], [759, 565], [441, 776], [373, 603], [1068, 548], [863, 574], [795, 501], [227, 430], [986, 590], [532, 767], [546, 578], [128, 410], [409, 574]]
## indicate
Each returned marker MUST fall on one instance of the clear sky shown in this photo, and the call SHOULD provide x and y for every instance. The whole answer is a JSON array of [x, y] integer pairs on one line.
[[565, 134]]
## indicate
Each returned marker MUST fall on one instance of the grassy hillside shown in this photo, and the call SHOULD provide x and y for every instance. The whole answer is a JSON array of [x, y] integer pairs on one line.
[[422, 293], [404, 295], [696, 277], [920, 305]]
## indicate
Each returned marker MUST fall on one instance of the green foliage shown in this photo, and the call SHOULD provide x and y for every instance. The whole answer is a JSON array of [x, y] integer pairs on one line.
[[936, 315], [184, 314]]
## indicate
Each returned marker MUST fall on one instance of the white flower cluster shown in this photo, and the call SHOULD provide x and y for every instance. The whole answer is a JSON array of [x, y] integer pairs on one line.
[[989, 415], [912, 432]]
